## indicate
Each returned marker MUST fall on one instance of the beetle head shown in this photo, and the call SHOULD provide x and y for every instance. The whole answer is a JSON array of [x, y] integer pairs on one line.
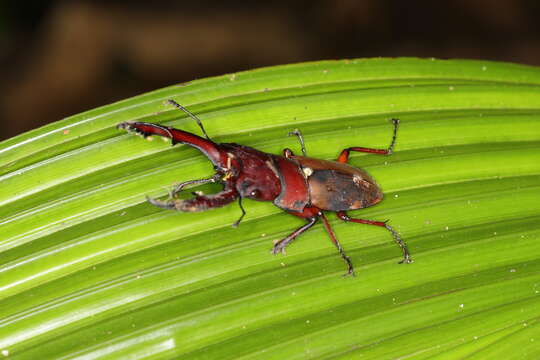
[[251, 172]]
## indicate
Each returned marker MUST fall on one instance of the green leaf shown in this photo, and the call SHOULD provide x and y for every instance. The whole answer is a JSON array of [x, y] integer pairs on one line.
[[89, 269]]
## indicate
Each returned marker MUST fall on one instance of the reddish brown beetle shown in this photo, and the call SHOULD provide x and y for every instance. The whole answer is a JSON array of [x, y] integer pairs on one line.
[[300, 185]]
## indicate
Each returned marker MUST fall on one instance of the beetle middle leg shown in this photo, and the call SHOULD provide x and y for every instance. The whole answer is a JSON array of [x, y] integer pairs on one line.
[[406, 255], [344, 156], [330, 232]]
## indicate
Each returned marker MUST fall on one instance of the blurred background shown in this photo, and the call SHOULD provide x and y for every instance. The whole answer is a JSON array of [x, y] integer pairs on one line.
[[59, 58]]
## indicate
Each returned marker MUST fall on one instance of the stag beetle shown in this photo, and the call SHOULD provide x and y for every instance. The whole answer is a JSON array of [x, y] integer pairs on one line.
[[300, 185]]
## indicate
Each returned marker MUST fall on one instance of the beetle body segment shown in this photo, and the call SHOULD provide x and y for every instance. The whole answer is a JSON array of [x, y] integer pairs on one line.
[[252, 172], [300, 185], [337, 186], [294, 195]]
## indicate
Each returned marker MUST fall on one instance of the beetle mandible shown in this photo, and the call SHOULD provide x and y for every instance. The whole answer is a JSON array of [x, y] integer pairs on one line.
[[300, 185]]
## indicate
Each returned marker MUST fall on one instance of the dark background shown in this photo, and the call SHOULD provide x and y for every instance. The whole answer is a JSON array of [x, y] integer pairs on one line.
[[58, 58]]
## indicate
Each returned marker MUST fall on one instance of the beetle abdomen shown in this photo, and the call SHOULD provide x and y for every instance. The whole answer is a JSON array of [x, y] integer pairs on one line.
[[337, 186], [335, 191]]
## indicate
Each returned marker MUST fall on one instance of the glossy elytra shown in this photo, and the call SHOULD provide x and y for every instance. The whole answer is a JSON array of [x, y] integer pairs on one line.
[[300, 185]]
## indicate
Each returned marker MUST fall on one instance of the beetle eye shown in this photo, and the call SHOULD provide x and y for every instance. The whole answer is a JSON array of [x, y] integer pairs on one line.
[[254, 193]]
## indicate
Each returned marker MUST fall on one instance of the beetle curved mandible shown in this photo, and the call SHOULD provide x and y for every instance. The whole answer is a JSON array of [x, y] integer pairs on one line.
[[300, 185]]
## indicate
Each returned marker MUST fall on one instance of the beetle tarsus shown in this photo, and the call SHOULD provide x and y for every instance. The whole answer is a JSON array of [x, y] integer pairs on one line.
[[344, 155], [406, 255], [394, 137], [279, 247], [406, 260], [350, 270]]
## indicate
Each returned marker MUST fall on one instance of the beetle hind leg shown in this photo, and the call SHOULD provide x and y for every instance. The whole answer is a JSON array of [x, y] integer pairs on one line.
[[406, 255], [397, 238]]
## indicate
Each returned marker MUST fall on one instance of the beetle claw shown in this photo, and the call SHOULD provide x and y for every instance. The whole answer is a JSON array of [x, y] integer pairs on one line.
[[278, 249], [406, 260], [349, 273]]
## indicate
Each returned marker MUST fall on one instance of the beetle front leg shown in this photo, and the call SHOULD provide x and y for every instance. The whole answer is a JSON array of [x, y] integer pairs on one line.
[[179, 187], [288, 152], [279, 246], [301, 139], [344, 156], [406, 255]]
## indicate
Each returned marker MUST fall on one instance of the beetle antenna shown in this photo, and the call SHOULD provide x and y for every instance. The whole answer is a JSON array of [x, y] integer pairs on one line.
[[172, 102], [301, 139], [237, 222]]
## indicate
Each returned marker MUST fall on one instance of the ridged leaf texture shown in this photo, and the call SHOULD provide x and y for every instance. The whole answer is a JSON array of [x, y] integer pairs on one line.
[[90, 270]]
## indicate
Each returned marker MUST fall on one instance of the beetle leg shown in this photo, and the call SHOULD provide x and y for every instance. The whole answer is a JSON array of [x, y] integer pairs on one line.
[[344, 156], [179, 187], [237, 222], [287, 153], [300, 138], [330, 232], [406, 255], [280, 245]]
